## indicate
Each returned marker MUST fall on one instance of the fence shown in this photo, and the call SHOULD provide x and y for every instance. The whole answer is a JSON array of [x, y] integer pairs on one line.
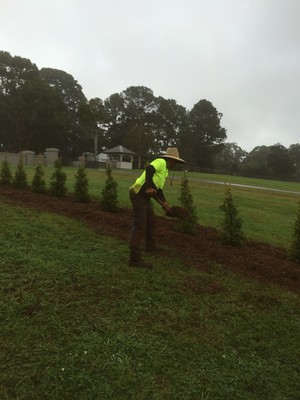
[[30, 158]]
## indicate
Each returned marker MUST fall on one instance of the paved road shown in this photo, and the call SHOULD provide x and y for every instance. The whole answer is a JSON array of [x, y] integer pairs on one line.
[[246, 186], [176, 177]]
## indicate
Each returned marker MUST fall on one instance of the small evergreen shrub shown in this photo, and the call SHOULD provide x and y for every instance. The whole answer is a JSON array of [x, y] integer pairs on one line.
[[109, 195], [20, 177], [6, 176], [294, 251], [38, 183], [58, 180], [81, 187], [231, 227], [187, 224]]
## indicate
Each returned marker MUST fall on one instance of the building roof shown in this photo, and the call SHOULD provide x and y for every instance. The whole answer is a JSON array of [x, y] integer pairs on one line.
[[119, 150]]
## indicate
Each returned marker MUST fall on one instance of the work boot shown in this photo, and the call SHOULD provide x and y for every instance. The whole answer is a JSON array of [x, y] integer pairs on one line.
[[139, 263]]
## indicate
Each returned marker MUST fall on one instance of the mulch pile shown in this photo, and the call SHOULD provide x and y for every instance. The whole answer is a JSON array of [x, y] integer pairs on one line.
[[255, 260]]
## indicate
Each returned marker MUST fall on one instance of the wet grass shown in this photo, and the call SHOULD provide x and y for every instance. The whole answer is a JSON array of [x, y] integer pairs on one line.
[[77, 323]]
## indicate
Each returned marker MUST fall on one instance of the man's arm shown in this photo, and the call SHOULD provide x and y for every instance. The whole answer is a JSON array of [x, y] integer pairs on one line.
[[150, 187]]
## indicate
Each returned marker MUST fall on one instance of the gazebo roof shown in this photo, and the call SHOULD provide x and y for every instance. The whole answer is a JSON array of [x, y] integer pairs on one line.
[[119, 150]]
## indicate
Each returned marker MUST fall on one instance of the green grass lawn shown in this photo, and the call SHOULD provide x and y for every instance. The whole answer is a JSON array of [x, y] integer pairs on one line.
[[77, 323]]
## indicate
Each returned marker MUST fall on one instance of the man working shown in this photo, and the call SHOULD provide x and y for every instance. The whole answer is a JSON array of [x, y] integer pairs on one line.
[[149, 184]]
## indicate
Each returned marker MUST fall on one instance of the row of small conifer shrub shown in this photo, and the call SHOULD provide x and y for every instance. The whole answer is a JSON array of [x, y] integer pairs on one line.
[[19, 180], [230, 230]]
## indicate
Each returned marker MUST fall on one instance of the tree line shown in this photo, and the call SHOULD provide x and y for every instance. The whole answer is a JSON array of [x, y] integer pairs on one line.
[[46, 107]]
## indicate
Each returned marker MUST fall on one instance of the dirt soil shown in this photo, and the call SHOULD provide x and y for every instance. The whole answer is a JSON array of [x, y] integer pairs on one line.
[[254, 260]]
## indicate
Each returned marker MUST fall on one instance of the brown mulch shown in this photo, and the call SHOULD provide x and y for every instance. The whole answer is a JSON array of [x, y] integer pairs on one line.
[[255, 260]]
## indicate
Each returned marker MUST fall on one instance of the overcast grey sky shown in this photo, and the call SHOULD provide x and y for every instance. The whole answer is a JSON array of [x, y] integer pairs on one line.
[[242, 55]]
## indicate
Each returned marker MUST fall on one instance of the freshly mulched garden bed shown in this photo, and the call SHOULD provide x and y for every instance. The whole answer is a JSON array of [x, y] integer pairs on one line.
[[255, 260]]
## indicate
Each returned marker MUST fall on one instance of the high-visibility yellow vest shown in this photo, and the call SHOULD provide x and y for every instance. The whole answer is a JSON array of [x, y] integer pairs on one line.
[[159, 176]]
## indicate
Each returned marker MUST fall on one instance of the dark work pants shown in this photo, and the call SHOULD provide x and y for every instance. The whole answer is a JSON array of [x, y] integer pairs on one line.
[[143, 225]]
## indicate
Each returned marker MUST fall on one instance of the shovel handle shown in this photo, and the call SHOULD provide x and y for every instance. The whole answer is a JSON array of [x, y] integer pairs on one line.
[[158, 200]]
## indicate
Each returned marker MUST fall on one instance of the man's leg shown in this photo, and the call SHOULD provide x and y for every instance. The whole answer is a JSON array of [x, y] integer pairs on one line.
[[150, 239], [138, 230]]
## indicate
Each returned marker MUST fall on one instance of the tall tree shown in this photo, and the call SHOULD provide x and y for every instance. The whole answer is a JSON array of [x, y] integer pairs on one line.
[[32, 115], [229, 159], [94, 118], [169, 124], [294, 156], [256, 163], [41, 118], [71, 94], [205, 137], [279, 162], [131, 114], [268, 162], [15, 72], [115, 107]]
